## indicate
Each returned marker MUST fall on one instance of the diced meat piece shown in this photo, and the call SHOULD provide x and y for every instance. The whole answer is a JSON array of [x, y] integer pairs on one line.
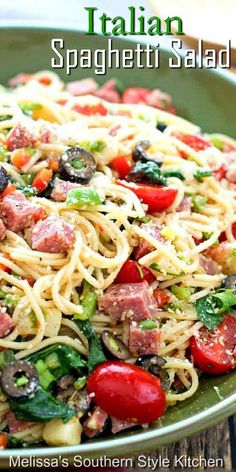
[[109, 92], [61, 189], [82, 87], [52, 235], [158, 99], [19, 79], [19, 137], [120, 425], [17, 213], [185, 205], [15, 425], [144, 246], [114, 129], [230, 164], [95, 423], [6, 323], [2, 230], [208, 265], [45, 136], [143, 342], [132, 301], [223, 254]]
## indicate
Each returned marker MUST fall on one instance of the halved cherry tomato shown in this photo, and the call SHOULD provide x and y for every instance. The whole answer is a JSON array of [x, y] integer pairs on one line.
[[213, 351], [132, 272], [157, 198], [223, 237], [135, 95], [20, 158], [127, 392], [42, 179], [161, 297], [220, 173], [198, 143], [89, 110], [3, 441], [11, 188], [122, 166]]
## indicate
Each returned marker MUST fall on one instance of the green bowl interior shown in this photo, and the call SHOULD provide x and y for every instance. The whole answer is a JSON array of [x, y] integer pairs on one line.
[[204, 97]]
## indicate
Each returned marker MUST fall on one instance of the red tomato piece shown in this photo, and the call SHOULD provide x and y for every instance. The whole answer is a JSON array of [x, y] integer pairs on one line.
[[3, 441], [220, 173], [161, 297], [213, 351], [127, 392], [132, 272], [89, 110], [122, 166], [198, 143], [42, 179], [157, 198]]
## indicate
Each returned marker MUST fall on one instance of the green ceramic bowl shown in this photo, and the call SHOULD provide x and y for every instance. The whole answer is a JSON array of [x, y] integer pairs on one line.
[[204, 97]]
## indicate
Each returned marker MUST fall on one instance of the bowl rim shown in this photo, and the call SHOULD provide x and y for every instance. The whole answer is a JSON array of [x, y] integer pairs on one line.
[[137, 440]]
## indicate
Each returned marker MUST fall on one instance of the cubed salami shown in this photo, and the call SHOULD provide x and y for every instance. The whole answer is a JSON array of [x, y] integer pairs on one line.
[[19, 137], [95, 423], [61, 189], [17, 213], [143, 342], [14, 425], [52, 235], [132, 301], [6, 323], [82, 87], [109, 92]]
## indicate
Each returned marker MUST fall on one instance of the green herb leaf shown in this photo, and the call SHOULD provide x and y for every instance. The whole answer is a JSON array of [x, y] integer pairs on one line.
[[41, 407], [201, 174], [96, 355], [27, 190], [173, 173], [211, 307]]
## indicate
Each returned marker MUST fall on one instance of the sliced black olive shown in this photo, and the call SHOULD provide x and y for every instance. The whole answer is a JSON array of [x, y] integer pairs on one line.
[[140, 154], [19, 379], [115, 346], [230, 282], [77, 165], [155, 364], [161, 127], [4, 179]]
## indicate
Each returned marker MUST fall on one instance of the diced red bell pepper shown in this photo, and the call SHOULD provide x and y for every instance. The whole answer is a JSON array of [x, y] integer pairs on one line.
[[122, 165]]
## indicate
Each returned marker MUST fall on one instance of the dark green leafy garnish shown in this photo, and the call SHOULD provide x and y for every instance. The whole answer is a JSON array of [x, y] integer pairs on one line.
[[41, 407], [210, 308], [150, 172], [27, 190], [96, 354]]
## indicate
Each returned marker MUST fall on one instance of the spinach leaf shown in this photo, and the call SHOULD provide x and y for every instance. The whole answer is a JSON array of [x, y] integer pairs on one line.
[[210, 308], [41, 407], [13, 442], [150, 172], [200, 174], [27, 190], [68, 358], [96, 355], [6, 357]]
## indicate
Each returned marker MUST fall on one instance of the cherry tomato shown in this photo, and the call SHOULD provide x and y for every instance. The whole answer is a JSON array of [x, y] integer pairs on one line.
[[122, 166], [157, 198], [223, 237], [198, 143], [127, 392], [213, 351], [89, 110], [161, 297], [132, 272], [135, 95]]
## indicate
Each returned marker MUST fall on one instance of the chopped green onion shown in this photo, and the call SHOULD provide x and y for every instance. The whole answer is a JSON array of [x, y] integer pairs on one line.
[[29, 107], [52, 361], [93, 146], [198, 202], [217, 142], [45, 376], [183, 293], [80, 383], [83, 197], [3, 153], [147, 324], [21, 381], [88, 302], [201, 174]]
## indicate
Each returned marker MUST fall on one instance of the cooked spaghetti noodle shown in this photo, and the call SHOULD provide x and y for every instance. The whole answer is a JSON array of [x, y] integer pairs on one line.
[[46, 287]]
